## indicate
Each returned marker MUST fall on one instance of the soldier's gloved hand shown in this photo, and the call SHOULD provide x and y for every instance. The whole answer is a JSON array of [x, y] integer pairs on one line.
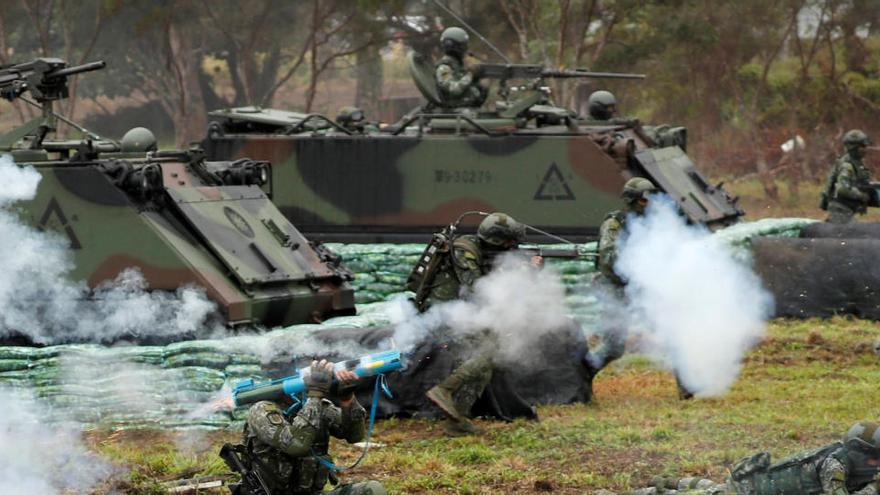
[[346, 383], [319, 379]]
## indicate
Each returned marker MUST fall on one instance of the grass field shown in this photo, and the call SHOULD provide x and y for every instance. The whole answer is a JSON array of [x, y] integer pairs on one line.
[[804, 385]]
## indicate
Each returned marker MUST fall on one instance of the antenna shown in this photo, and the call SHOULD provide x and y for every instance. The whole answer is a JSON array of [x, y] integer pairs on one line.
[[476, 33]]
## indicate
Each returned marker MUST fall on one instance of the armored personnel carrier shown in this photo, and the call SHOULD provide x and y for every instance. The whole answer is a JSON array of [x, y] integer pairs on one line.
[[175, 216], [540, 163]]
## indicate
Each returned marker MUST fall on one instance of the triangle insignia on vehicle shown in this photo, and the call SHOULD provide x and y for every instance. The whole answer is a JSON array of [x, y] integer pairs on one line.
[[53, 209], [553, 186]]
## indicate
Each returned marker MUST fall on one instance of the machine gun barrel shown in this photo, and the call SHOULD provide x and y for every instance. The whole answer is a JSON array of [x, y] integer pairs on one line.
[[77, 69], [531, 71]]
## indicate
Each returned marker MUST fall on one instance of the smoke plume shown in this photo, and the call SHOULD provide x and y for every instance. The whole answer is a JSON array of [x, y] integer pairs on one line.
[[40, 301], [37, 456], [516, 301], [700, 308]]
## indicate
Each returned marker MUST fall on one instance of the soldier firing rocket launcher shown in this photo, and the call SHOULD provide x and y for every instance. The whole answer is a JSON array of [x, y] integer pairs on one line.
[[247, 392]]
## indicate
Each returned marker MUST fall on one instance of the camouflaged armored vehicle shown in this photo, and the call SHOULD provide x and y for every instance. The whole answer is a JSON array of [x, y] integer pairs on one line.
[[542, 164], [176, 217]]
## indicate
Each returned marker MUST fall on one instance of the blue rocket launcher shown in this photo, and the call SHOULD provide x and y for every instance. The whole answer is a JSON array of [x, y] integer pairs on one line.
[[247, 392]]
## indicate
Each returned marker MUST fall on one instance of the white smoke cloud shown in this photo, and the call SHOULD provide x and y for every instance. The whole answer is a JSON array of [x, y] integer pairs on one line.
[[37, 456], [699, 307], [40, 301], [515, 300]]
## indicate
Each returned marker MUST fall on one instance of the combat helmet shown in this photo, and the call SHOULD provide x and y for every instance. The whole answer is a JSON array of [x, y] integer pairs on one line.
[[454, 41], [602, 105], [499, 228], [138, 139], [864, 436], [637, 188], [349, 115], [856, 137]]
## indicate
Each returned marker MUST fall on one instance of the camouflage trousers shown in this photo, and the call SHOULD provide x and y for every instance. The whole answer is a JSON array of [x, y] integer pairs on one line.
[[469, 380], [692, 486], [362, 488], [839, 213]]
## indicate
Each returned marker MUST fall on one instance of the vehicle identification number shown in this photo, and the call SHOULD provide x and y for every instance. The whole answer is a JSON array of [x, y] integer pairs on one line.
[[462, 177]]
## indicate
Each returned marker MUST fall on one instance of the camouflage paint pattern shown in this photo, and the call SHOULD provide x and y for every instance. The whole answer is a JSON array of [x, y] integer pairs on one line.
[[231, 240], [380, 187]]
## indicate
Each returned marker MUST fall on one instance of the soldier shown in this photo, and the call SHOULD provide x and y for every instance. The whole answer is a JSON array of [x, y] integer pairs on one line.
[[847, 191], [850, 466], [287, 451], [458, 86], [635, 194], [353, 120], [470, 258], [602, 105]]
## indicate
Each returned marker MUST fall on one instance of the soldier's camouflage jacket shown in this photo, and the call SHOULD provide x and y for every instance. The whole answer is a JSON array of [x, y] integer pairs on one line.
[[609, 233], [456, 84], [852, 177], [465, 264], [284, 451]]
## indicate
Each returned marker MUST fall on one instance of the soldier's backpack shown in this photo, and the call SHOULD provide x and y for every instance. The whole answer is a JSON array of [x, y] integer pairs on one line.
[[422, 276]]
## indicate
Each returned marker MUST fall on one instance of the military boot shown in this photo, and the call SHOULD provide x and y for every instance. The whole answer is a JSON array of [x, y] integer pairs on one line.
[[683, 392], [441, 396], [456, 428]]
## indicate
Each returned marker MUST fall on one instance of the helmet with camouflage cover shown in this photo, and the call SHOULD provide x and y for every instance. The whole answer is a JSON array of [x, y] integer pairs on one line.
[[864, 436], [855, 137], [454, 41], [602, 105], [637, 188], [498, 229]]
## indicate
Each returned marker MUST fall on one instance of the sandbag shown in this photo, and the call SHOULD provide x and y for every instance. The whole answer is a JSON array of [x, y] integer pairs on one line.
[[853, 230], [820, 277]]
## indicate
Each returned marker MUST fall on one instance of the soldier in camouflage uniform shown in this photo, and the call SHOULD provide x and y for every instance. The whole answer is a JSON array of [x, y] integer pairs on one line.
[[635, 196], [469, 259], [354, 121], [850, 466], [285, 451], [457, 86], [848, 190]]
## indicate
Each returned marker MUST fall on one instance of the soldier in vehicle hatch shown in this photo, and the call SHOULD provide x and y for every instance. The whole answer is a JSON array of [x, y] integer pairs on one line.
[[469, 258], [850, 466], [636, 193], [289, 451], [457, 85], [848, 190]]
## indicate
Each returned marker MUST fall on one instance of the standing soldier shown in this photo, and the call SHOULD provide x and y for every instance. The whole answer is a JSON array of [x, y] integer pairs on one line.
[[457, 85], [470, 258], [289, 453], [636, 194], [848, 190]]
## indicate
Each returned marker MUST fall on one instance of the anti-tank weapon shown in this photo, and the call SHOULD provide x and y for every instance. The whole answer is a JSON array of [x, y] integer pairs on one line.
[[247, 392]]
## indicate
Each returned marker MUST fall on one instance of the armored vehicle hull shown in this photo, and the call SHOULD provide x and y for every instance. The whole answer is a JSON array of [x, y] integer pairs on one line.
[[180, 230], [381, 187]]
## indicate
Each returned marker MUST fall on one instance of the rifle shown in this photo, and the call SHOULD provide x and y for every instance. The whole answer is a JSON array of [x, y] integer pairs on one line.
[[566, 253], [531, 71], [251, 480]]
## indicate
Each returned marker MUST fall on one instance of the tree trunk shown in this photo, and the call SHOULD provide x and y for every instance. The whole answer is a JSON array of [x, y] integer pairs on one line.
[[369, 80], [189, 116]]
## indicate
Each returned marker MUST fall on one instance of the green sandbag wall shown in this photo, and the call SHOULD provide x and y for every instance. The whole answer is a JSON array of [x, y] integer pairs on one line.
[[174, 386]]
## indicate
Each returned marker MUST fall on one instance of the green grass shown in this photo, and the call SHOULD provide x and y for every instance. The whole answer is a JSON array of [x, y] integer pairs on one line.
[[803, 386]]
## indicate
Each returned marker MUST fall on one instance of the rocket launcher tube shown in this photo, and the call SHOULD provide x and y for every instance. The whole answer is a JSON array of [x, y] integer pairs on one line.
[[247, 392]]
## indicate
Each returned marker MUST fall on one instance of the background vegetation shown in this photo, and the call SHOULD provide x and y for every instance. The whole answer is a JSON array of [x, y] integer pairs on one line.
[[744, 76]]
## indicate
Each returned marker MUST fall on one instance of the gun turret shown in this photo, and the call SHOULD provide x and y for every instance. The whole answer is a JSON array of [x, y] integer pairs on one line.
[[531, 71], [46, 79]]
